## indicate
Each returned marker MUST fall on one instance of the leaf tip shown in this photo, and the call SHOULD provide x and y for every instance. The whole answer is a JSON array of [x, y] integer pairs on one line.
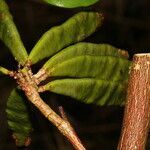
[[26, 142], [123, 53], [100, 19]]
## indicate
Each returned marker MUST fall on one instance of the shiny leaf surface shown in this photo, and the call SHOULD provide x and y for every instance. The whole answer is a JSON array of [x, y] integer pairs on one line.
[[71, 3]]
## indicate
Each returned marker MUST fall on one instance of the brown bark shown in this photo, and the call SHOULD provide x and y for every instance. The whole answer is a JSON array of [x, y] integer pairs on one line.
[[27, 83], [137, 110]]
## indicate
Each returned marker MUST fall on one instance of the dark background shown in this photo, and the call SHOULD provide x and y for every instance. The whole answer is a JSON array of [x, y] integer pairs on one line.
[[126, 25]]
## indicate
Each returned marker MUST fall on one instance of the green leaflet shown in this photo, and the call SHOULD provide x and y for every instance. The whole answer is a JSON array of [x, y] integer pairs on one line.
[[3, 71], [100, 92], [71, 3], [10, 36], [83, 48], [101, 67], [75, 29], [18, 117]]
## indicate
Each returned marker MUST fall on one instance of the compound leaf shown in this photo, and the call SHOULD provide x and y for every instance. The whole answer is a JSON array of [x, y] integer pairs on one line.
[[18, 118], [10, 36], [74, 30], [71, 3]]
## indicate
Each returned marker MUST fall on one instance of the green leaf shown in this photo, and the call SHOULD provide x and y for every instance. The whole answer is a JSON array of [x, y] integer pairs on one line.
[[18, 117], [74, 30], [87, 90], [98, 72], [3, 71], [83, 48], [10, 36], [71, 3], [102, 67]]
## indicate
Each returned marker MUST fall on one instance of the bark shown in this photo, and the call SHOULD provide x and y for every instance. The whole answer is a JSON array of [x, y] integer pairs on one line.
[[137, 110], [27, 83]]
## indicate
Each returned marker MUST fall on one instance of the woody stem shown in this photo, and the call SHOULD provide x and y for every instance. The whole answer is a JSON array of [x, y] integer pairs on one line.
[[26, 82], [137, 112]]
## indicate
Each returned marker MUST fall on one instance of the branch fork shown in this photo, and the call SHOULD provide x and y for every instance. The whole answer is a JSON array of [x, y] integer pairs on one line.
[[29, 84]]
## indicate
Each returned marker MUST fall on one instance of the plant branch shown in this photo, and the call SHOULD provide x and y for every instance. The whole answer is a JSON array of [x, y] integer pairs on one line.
[[41, 76], [62, 113], [64, 116], [25, 80], [137, 112]]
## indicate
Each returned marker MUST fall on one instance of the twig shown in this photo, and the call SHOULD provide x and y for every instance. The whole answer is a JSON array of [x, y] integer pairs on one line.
[[41, 76], [137, 112], [62, 113], [25, 80]]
